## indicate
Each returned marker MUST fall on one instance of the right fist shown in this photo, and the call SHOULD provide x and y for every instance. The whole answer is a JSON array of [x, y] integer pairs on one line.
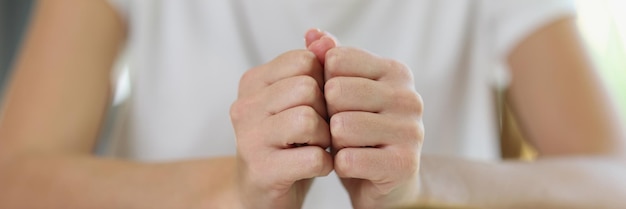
[[282, 133]]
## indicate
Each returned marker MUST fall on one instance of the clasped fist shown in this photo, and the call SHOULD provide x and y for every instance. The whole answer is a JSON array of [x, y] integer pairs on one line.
[[361, 107]]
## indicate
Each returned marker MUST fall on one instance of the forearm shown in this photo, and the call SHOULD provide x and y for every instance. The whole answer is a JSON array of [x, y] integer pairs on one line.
[[547, 183], [88, 182]]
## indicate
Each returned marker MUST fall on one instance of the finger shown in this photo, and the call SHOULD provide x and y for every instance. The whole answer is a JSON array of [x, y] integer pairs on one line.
[[363, 129], [312, 35], [315, 34], [361, 94], [298, 126], [356, 94], [282, 95], [352, 62], [377, 165], [286, 65], [321, 46], [291, 165], [319, 42], [293, 92]]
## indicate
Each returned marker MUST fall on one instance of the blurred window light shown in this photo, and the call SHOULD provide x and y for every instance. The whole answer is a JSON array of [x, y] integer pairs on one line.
[[603, 25], [122, 86]]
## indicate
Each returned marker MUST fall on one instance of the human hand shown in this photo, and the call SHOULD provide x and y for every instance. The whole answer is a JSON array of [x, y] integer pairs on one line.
[[282, 133], [375, 125]]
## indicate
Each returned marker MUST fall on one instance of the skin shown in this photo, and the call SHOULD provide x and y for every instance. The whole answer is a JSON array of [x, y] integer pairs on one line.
[[375, 126], [50, 119], [56, 101], [276, 166]]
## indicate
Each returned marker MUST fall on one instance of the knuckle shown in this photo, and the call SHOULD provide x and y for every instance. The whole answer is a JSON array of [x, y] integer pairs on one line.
[[398, 65], [237, 110], [409, 100], [400, 68], [303, 61], [337, 129], [415, 102], [333, 59], [307, 81], [316, 160], [407, 163], [332, 90], [419, 101], [334, 52], [306, 63], [247, 78], [344, 161], [306, 87], [306, 121], [413, 131]]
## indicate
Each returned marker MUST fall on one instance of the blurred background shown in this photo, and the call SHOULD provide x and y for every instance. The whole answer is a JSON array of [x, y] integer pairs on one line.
[[13, 20], [602, 24]]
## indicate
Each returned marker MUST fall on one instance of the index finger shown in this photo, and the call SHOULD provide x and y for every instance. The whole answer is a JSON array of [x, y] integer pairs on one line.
[[353, 62], [286, 65]]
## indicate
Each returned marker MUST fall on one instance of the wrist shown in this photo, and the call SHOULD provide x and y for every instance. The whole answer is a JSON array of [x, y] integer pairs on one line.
[[217, 177], [409, 194], [440, 183]]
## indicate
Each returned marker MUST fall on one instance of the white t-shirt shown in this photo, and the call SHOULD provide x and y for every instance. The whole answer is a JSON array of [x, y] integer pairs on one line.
[[186, 58]]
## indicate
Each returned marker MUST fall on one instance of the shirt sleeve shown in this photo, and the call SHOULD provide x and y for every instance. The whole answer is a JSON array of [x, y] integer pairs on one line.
[[511, 21], [120, 6], [514, 20]]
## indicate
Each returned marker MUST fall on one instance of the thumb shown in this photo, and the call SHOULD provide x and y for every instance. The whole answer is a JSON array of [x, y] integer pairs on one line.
[[319, 43]]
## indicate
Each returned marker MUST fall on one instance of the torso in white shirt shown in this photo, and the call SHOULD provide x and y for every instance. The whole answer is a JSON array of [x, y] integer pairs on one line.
[[186, 58]]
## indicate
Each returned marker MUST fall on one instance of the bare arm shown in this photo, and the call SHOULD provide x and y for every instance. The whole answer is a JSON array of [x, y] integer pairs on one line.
[[566, 113], [55, 181], [569, 182], [51, 118]]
